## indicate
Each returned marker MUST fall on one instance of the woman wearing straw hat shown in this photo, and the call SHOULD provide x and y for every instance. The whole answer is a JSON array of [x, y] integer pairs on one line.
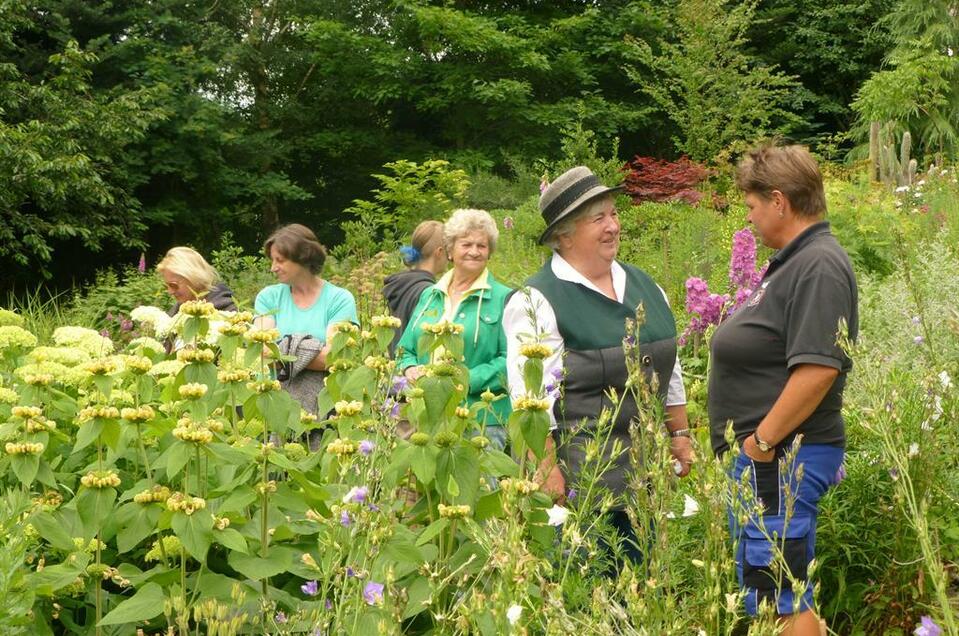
[[579, 301]]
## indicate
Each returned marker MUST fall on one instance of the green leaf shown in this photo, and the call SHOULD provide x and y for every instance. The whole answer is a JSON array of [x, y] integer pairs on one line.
[[87, 433], [418, 595], [238, 500], [230, 538], [94, 506], [535, 430], [194, 532], [104, 383], [360, 383], [25, 467], [147, 603], [498, 463], [423, 463], [430, 531], [137, 522], [452, 487], [278, 560], [533, 374], [53, 531], [177, 457]]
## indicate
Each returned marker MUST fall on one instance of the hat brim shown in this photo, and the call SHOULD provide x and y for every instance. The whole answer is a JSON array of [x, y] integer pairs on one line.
[[595, 193]]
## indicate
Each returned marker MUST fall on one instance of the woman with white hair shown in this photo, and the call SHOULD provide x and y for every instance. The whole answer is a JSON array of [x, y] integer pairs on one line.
[[468, 296], [188, 276]]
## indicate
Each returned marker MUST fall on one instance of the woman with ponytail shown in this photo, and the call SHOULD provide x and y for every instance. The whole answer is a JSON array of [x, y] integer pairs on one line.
[[425, 259]]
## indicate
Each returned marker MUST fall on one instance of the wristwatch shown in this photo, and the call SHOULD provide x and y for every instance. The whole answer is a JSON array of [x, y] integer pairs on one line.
[[763, 446]]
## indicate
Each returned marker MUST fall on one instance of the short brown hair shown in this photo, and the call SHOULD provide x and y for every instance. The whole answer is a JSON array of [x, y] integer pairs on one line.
[[789, 169], [299, 244]]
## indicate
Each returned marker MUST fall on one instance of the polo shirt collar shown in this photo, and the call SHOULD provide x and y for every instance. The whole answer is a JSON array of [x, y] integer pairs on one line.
[[564, 271], [481, 283], [804, 237]]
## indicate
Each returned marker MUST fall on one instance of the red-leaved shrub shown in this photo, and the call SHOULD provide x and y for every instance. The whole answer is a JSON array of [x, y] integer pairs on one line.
[[650, 179]]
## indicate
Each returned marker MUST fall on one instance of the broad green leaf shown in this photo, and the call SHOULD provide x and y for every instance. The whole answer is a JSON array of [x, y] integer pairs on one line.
[[194, 531], [137, 522], [94, 505], [423, 463], [232, 539], [278, 560], [498, 463], [87, 433], [177, 457], [147, 603], [238, 500], [53, 530], [25, 467], [452, 487], [533, 374], [418, 596]]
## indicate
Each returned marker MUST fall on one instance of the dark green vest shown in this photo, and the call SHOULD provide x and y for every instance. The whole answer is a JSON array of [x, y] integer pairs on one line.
[[593, 327]]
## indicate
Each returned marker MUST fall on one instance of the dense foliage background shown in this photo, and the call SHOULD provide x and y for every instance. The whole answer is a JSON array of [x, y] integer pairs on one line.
[[129, 127]]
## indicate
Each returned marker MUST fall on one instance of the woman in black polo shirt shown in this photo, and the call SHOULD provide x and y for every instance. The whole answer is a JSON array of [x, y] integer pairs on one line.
[[777, 372]]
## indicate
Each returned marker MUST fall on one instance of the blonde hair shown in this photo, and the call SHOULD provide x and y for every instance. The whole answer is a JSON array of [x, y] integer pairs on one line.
[[188, 263], [427, 236], [464, 221]]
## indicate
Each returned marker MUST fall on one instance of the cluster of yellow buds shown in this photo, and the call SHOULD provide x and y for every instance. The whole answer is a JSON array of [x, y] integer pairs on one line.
[[462, 411], [26, 412], [266, 487], [137, 415], [520, 486], [49, 499], [231, 329], [170, 546], [38, 379], [480, 442], [239, 318], [342, 365], [442, 327], [294, 451], [138, 365], [378, 363], [103, 366], [307, 418], [103, 412], [214, 425], [313, 515], [536, 350], [346, 327], [100, 479], [156, 494], [193, 391], [341, 447], [83, 545], [8, 396], [263, 386], [445, 439], [390, 322], [366, 335], [419, 439], [221, 523], [198, 309], [367, 425], [454, 512], [189, 431], [442, 369], [23, 448], [234, 376], [347, 409], [195, 355], [263, 336], [178, 502], [528, 403], [39, 425]]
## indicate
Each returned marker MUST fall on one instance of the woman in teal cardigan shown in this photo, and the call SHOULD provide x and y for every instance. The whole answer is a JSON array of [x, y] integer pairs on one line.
[[467, 295]]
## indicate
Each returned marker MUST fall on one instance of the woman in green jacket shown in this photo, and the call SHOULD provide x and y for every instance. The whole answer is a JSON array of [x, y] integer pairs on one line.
[[469, 296]]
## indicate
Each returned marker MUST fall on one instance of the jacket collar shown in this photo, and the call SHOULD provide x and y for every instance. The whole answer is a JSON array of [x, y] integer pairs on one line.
[[804, 238]]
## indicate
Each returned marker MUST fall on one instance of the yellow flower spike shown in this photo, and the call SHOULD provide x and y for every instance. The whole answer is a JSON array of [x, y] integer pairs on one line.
[[193, 391]]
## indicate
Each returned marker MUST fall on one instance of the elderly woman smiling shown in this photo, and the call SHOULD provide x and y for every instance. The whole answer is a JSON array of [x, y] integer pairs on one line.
[[469, 296]]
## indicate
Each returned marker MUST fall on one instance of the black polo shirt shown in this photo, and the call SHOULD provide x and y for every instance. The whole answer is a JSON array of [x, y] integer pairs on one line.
[[792, 318]]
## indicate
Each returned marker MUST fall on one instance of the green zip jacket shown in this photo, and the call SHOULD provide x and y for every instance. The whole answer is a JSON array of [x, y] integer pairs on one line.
[[484, 340]]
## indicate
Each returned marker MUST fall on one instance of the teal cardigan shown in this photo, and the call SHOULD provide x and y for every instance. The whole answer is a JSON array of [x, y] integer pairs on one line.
[[484, 341]]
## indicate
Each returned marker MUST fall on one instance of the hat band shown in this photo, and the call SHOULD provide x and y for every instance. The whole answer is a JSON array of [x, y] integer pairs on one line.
[[577, 189]]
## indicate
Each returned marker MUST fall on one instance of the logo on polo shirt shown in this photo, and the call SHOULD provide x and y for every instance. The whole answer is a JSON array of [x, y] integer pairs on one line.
[[757, 295]]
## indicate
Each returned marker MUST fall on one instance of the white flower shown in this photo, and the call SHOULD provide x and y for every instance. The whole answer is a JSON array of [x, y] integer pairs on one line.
[[557, 515], [949, 51], [513, 614], [902, 189], [945, 380], [936, 408], [926, 426], [913, 450], [690, 506]]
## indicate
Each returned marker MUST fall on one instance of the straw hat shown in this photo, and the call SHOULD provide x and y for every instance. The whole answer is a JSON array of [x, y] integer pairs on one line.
[[567, 194]]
